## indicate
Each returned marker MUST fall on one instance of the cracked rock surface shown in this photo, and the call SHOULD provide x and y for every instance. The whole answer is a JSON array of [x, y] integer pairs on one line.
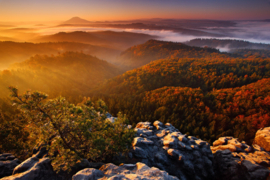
[[138, 171], [7, 164], [164, 147], [34, 168], [239, 161]]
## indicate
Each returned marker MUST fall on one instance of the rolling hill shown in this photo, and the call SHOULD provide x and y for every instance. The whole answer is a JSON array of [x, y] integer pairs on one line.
[[71, 74], [142, 54], [11, 52], [209, 97], [111, 39]]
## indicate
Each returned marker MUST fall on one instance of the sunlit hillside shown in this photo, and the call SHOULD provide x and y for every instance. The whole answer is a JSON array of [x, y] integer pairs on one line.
[[69, 74], [195, 92], [11, 52], [134, 90]]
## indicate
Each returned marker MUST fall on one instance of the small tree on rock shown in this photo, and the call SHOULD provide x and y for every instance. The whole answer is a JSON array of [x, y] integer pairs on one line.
[[73, 132]]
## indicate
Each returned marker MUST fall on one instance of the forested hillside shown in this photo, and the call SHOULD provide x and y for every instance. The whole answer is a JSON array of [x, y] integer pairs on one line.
[[11, 52], [205, 97], [70, 74], [206, 73], [143, 54], [200, 91], [252, 52]]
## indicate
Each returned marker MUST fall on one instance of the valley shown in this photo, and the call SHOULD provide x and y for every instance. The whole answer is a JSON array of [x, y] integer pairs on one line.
[[205, 89]]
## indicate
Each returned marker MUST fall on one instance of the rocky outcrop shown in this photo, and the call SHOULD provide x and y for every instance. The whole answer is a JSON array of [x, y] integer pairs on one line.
[[7, 164], [262, 138], [232, 144], [136, 171], [238, 161], [158, 152], [80, 165], [33, 169], [164, 147]]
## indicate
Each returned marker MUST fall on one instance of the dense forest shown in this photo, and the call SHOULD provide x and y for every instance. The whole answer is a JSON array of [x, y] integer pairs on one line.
[[200, 91], [205, 73], [69, 74], [252, 52], [209, 97]]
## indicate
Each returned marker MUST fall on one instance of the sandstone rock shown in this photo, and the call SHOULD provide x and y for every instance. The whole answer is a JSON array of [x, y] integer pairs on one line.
[[228, 167], [139, 152], [238, 166], [164, 147], [144, 125], [88, 174], [142, 142], [80, 165], [230, 143], [239, 161], [138, 171], [36, 167], [143, 132], [262, 138], [26, 165], [7, 164], [33, 169]]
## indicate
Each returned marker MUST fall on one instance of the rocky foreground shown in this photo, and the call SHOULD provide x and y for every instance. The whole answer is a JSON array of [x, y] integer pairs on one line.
[[160, 152]]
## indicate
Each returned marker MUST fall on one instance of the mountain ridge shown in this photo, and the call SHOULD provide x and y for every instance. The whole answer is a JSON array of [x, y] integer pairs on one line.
[[76, 20], [142, 54]]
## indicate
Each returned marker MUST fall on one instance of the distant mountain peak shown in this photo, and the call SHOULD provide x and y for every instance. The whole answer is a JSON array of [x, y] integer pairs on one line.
[[76, 20]]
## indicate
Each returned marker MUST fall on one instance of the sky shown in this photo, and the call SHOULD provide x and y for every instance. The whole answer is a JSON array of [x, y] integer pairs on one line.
[[102, 10]]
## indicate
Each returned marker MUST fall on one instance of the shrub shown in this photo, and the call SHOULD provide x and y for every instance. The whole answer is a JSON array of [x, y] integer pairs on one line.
[[73, 132]]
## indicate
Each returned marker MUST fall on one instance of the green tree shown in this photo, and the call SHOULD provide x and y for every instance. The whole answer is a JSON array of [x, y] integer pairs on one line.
[[73, 132]]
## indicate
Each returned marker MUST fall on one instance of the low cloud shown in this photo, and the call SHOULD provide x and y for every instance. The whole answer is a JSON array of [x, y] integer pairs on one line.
[[253, 31]]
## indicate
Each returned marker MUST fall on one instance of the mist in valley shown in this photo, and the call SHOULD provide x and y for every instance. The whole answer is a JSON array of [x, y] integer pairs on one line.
[[111, 41], [201, 66], [160, 29]]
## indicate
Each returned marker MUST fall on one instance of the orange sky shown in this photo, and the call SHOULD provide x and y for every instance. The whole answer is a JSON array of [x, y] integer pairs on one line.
[[100, 10]]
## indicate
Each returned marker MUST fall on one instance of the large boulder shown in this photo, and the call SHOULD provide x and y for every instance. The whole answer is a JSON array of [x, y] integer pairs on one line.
[[80, 165], [238, 161], [164, 147], [7, 164], [33, 169], [136, 171], [262, 138]]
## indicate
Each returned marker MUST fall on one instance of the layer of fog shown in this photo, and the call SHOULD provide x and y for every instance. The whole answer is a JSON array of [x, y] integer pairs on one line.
[[253, 31]]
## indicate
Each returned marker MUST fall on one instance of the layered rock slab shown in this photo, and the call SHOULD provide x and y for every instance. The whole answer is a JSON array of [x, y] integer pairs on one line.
[[138, 171], [33, 169], [164, 147], [7, 164], [238, 161]]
